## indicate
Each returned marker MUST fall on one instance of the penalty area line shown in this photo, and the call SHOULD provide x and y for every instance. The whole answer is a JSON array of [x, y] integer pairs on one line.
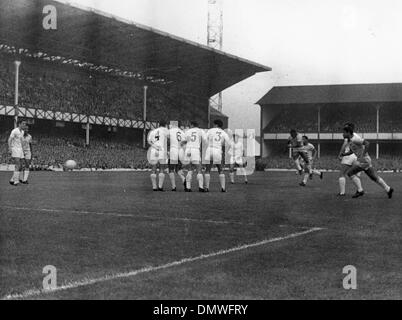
[[109, 277], [127, 215]]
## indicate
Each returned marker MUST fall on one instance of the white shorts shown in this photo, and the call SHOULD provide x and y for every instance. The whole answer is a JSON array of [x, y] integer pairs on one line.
[[157, 156], [213, 155], [17, 153], [349, 160], [192, 155], [236, 160], [27, 155], [176, 155]]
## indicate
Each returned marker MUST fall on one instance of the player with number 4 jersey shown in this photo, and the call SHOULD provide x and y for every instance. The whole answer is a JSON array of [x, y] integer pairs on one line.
[[157, 154]]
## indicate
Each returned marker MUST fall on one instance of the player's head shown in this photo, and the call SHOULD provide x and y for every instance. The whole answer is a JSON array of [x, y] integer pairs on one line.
[[293, 133], [162, 123], [351, 125], [305, 140], [174, 124], [348, 132], [218, 124], [26, 130], [193, 124], [21, 123]]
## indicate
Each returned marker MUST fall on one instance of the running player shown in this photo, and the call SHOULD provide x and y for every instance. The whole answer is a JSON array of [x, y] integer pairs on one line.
[[236, 154], [192, 157], [15, 148], [360, 147], [311, 155], [346, 162], [27, 149], [216, 139], [176, 155], [157, 154], [295, 143]]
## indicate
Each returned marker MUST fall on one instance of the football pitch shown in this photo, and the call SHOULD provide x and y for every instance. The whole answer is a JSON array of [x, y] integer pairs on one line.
[[110, 237]]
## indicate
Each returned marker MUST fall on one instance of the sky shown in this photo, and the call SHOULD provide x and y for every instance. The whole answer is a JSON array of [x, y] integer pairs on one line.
[[306, 42]]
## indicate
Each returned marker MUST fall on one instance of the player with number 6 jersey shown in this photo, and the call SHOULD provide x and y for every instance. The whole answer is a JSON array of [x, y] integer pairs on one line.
[[176, 155]]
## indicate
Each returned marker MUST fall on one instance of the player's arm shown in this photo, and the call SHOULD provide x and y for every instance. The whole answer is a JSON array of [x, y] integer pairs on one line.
[[314, 155], [228, 142], [343, 153], [151, 140], [10, 139], [343, 148], [366, 146], [204, 136]]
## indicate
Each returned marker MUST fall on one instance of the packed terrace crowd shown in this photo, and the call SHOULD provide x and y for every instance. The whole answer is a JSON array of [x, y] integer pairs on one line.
[[49, 86], [305, 118], [52, 152]]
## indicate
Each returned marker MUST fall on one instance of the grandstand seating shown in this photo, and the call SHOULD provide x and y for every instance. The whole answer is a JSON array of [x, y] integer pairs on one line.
[[304, 119], [53, 151], [50, 86]]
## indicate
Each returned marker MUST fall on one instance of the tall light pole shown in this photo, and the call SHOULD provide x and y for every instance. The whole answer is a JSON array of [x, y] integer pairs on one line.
[[17, 64], [144, 138], [215, 40]]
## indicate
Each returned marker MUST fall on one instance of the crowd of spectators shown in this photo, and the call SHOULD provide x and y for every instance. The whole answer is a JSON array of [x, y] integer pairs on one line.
[[305, 119], [49, 86], [53, 152]]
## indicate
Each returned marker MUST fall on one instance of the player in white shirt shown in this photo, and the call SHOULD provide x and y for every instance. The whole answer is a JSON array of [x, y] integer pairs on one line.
[[17, 153], [176, 154], [157, 154], [192, 155], [359, 147], [216, 139], [311, 155], [346, 163], [27, 149], [236, 154]]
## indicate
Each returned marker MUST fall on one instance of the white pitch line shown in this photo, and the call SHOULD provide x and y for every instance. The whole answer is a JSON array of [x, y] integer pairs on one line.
[[87, 282], [126, 215]]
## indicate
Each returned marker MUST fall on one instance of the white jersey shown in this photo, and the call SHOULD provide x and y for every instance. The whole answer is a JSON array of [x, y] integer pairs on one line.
[[26, 143], [194, 137], [176, 137], [158, 138], [217, 138], [309, 149], [237, 149], [356, 145], [16, 137]]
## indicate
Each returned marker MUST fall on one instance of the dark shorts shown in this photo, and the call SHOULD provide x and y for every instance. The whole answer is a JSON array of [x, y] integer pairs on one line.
[[299, 153]]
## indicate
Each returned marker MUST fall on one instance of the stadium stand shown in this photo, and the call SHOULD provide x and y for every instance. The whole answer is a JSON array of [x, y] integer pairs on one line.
[[52, 152], [98, 66], [48, 86], [332, 119]]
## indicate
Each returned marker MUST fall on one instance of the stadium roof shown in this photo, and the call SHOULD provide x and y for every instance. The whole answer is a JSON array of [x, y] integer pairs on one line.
[[90, 36], [217, 113], [351, 93]]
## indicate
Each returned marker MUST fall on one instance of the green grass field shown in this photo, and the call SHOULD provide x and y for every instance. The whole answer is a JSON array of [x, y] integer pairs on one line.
[[111, 238]]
